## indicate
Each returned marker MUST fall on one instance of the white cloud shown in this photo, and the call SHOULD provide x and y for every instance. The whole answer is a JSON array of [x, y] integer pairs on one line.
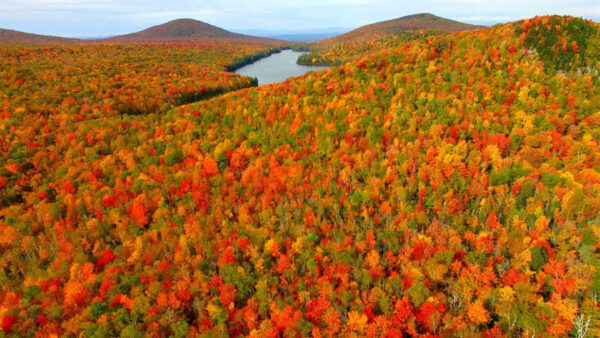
[[170, 14], [100, 17], [487, 18]]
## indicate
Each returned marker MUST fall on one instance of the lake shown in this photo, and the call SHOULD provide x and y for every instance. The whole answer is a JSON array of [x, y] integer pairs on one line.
[[277, 68]]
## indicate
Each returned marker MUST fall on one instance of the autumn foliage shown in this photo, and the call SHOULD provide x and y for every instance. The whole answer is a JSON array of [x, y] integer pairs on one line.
[[442, 186], [102, 79]]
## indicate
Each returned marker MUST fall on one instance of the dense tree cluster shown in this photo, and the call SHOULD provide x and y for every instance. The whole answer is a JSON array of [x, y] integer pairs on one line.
[[96, 80], [338, 51], [446, 186], [561, 43], [384, 34]]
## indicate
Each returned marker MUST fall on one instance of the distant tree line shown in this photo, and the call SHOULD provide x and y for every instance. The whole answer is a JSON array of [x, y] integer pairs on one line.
[[311, 59]]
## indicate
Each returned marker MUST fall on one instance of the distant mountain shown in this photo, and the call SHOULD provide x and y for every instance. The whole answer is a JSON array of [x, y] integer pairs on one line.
[[309, 37], [182, 29], [424, 21], [94, 38], [304, 35], [12, 36]]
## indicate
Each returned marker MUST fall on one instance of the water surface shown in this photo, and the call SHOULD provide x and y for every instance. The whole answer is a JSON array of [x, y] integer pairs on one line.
[[277, 68]]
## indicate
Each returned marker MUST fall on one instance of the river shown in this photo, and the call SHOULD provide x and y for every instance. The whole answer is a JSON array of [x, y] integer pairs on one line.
[[277, 68]]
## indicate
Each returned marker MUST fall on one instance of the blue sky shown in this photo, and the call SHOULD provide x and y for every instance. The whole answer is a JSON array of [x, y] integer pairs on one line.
[[91, 18]]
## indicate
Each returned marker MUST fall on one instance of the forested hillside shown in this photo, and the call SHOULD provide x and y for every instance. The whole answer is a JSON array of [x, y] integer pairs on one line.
[[9, 36], [100, 80], [415, 22], [447, 185], [184, 29], [374, 37]]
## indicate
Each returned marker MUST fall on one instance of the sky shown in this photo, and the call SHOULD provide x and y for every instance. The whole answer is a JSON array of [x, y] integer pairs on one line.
[[95, 18]]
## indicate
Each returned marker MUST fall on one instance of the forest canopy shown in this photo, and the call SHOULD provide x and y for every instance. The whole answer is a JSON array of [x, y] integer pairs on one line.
[[437, 185]]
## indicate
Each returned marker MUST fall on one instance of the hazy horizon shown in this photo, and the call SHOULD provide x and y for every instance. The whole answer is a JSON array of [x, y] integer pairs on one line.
[[100, 18]]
